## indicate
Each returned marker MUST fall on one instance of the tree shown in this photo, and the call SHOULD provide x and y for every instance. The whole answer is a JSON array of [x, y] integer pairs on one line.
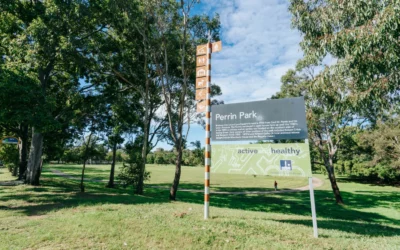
[[92, 121], [131, 173], [49, 38], [19, 94], [363, 36], [328, 115], [198, 153], [385, 143], [88, 150], [128, 61], [177, 35], [114, 140]]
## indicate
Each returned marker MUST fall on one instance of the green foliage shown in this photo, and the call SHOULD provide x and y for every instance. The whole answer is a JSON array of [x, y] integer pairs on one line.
[[72, 155], [384, 143], [150, 158], [159, 158], [363, 36], [129, 174], [131, 171], [119, 157], [9, 156]]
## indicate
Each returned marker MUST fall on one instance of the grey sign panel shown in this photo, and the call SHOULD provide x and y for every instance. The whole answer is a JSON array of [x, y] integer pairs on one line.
[[261, 120]]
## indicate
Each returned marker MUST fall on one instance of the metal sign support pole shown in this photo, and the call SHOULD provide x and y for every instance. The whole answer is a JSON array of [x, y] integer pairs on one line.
[[313, 212], [207, 152], [312, 200]]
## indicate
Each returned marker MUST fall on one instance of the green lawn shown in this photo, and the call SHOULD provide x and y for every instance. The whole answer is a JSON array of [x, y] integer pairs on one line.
[[192, 178], [56, 216]]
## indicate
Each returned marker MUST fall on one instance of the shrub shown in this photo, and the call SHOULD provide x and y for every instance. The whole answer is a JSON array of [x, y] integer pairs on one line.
[[130, 173]]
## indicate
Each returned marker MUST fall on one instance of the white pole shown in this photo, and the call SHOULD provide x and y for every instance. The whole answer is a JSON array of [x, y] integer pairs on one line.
[[313, 212]]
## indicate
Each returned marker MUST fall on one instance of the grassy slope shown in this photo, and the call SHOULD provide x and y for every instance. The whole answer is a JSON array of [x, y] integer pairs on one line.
[[56, 216]]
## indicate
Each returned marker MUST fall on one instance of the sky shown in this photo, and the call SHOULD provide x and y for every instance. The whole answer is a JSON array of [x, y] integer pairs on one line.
[[259, 46]]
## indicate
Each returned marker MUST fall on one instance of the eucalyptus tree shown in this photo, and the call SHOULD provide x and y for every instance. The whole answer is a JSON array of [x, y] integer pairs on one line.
[[49, 38], [176, 34], [327, 117], [129, 62], [384, 140], [363, 36]]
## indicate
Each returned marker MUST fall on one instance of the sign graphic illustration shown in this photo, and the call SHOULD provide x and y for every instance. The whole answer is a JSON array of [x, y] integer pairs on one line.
[[286, 165], [276, 159], [200, 94], [201, 50], [201, 106], [201, 82], [216, 47], [201, 61], [201, 71]]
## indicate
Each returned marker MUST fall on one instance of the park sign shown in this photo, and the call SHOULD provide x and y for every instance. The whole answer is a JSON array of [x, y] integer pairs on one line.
[[9, 140], [275, 159], [261, 120]]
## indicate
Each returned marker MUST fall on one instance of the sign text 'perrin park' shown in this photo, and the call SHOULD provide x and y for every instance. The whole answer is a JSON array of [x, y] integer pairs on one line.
[[260, 120]]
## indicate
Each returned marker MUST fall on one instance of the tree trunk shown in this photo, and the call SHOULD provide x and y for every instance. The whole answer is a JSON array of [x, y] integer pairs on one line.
[[35, 155], [23, 152], [15, 171], [83, 174], [140, 184], [111, 181], [146, 124], [175, 183], [331, 174]]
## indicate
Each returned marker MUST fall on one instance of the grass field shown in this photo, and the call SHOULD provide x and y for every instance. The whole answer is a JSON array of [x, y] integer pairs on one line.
[[56, 216]]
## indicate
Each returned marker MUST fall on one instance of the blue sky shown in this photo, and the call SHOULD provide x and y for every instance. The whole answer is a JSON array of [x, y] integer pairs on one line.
[[259, 46]]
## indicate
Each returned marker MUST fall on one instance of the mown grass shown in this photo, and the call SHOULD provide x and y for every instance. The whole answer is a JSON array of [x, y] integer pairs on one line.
[[191, 178], [56, 216]]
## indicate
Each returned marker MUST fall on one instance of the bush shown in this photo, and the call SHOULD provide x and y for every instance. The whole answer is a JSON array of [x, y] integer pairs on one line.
[[9, 156], [150, 158], [130, 173], [10, 166]]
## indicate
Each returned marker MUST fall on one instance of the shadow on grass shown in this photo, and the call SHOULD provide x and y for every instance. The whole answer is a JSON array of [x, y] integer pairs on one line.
[[58, 193], [368, 181], [370, 229], [200, 187]]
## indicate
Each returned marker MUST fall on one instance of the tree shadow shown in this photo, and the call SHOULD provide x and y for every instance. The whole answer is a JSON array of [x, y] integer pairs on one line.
[[54, 195], [200, 187], [370, 229], [59, 193], [298, 203], [368, 181], [11, 183]]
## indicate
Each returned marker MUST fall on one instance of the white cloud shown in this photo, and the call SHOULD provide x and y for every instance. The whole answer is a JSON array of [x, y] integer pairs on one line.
[[259, 46]]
